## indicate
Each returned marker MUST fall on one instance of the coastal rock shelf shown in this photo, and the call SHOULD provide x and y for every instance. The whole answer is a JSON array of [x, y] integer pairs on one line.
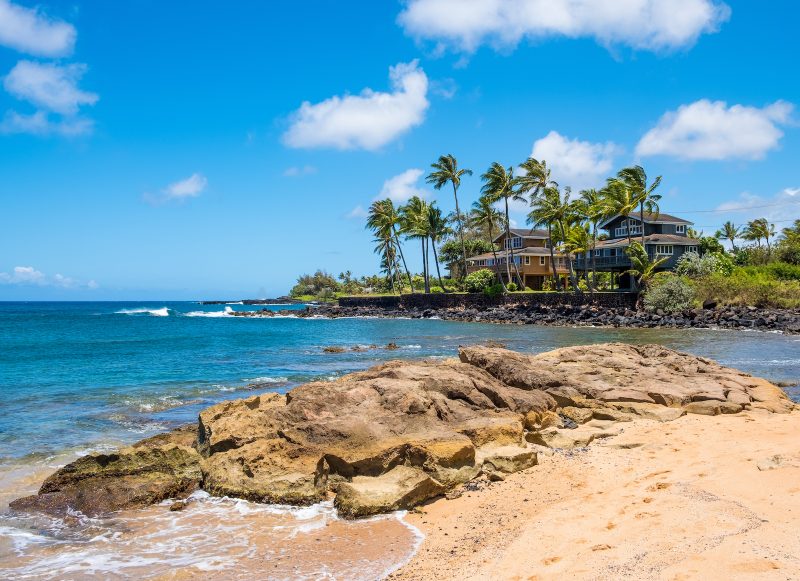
[[404, 432]]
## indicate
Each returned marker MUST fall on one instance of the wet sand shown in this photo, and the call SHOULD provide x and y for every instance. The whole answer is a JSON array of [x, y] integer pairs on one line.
[[698, 498]]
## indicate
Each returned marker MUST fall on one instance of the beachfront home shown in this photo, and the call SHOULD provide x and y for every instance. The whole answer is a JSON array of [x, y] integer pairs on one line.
[[665, 236], [531, 249]]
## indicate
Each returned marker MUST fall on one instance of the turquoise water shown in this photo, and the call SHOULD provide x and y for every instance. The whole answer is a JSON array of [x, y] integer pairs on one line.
[[80, 375], [76, 377]]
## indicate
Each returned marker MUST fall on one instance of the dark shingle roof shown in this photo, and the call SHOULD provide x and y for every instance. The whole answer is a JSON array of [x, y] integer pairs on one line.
[[524, 233], [649, 218], [650, 239]]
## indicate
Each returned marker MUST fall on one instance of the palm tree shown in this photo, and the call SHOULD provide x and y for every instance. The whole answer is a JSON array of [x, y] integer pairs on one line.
[[485, 215], [729, 231], [499, 185], [446, 170], [579, 240], [437, 231], [385, 248], [414, 224], [642, 268], [635, 179], [546, 208], [594, 207], [620, 200], [756, 230], [384, 220], [566, 217]]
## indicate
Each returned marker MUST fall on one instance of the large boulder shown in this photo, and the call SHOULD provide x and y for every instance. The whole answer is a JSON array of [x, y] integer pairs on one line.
[[404, 431]]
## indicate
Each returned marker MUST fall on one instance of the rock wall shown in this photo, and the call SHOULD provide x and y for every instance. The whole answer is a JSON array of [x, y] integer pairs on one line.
[[480, 300]]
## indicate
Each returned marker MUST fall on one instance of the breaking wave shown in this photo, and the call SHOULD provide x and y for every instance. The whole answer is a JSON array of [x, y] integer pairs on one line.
[[162, 312]]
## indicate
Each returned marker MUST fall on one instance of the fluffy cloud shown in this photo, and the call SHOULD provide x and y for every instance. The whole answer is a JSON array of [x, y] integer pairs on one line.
[[655, 25], [48, 86], [366, 121], [181, 190], [28, 30], [402, 187], [575, 163], [712, 130], [40, 123], [29, 276]]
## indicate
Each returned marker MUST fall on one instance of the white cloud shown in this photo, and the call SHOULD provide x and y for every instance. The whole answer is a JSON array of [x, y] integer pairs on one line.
[[29, 276], [656, 25], [712, 130], [28, 30], [575, 163], [357, 213], [402, 187], [40, 123], [366, 121], [48, 86], [191, 187], [296, 171], [748, 206]]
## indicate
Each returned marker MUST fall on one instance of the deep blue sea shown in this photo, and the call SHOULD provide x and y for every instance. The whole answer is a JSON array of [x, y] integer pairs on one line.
[[77, 377]]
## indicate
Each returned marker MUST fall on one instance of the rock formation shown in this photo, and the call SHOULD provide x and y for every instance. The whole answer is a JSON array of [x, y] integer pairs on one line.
[[403, 432]]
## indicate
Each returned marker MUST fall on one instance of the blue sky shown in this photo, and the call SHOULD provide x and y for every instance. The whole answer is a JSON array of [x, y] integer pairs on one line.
[[176, 150]]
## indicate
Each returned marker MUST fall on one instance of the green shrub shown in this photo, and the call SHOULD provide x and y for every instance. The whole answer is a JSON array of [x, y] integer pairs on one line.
[[437, 290], [749, 286], [776, 270], [479, 280], [511, 287], [493, 290], [669, 293], [693, 265], [789, 250]]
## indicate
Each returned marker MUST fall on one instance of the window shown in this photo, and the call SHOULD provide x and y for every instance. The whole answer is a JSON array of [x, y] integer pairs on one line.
[[636, 230], [612, 251], [691, 249], [542, 260], [664, 250], [620, 232], [598, 252], [680, 229], [527, 260], [515, 242]]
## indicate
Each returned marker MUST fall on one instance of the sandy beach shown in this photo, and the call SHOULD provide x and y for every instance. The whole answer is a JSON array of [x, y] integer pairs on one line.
[[697, 498]]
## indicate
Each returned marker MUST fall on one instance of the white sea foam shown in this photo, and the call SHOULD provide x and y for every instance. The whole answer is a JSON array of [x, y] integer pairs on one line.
[[162, 312], [267, 380], [212, 314]]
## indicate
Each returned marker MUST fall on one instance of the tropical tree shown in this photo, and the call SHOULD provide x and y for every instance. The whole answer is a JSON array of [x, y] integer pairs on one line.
[[414, 225], [546, 207], [635, 179], [437, 231], [620, 200], [484, 213], [579, 240], [446, 170], [384, 220], [567, 217], [643, 269], [730, 232], [594, 207], [499, 185], [386, 249]]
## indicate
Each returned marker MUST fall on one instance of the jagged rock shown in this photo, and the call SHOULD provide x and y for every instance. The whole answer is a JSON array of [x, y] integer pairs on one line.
[[399, 489], [712, 407], [577, 415], [555, 438], [506, 459], [129, 478], [649, 411]]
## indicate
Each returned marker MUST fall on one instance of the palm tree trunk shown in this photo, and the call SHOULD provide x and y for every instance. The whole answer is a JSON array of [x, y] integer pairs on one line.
[[552, 256], [496, 264], [568, 255], [511, 249], [424, 242], [641, 215], [436, 262], [593, 286], [403, 258], [460, 231]]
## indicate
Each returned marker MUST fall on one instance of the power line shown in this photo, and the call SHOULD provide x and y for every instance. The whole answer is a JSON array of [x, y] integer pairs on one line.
[[739, 209]]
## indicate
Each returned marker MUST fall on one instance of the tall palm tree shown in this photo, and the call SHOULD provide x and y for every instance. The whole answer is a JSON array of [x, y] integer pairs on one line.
[[579, 240], [437, 231], [446, 170], [642, 267], [414, 224], [499, 184], [635, 179], [386, 249], [594, 207], [729, 231], [384, 220], [620, 199], [546, 207], [485, 215], [566, 217]]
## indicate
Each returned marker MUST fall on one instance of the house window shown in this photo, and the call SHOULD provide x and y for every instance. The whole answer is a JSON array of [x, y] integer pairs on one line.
[[691, 249], [680, 229], [515, 242], [612, 251], [542, 260], [636, 230], [620, 232], [598, 252], [527, 260], [664, 250]]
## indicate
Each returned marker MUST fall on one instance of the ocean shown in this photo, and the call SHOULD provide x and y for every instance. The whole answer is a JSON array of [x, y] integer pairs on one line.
[[82, 377]]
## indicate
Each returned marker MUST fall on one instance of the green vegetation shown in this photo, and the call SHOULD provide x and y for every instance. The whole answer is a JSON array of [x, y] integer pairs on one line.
[[669, 293], [479, 281]]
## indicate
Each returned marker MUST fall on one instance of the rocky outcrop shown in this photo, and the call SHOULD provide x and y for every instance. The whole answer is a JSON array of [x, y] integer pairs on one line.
[[403, 432]]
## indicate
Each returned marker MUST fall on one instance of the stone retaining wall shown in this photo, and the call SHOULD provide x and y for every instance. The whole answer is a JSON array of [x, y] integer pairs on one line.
[[480, 300]]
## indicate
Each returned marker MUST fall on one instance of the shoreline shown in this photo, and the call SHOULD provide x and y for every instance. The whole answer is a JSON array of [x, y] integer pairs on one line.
[[649, 503], [726, 318]]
